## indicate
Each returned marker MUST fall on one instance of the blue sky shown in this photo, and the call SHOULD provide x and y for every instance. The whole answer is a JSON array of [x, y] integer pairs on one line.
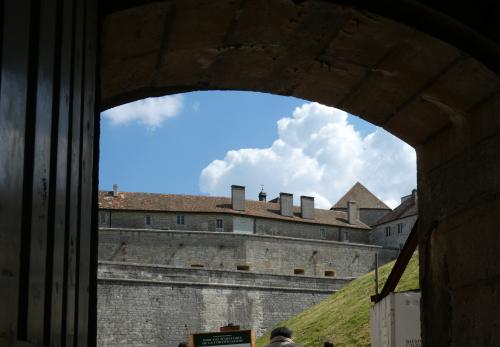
[[201, 142]]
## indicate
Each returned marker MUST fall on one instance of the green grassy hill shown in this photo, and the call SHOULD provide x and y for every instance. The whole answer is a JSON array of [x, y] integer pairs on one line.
[[344, 317]]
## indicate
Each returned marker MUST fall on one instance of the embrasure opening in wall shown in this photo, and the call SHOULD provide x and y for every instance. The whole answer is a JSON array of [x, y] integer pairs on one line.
[[329, 273]]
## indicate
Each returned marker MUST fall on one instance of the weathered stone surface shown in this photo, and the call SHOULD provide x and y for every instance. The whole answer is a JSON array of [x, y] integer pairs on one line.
[[379, 237], [263, 254], [156, 286], [164, 314], [207, 222]]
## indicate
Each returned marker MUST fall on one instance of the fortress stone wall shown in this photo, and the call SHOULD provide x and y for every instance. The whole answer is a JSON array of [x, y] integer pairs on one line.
[[227, 251], [152, 313], [152, 290]]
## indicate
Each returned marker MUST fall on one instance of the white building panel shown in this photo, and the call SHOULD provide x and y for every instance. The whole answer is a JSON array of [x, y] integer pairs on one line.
[[243, 225], [395, 321]]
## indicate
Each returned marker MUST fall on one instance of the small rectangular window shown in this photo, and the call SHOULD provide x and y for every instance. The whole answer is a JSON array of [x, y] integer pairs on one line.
[[102, 218], [322, 233], [180, 220], [400, 228], [388, 230], [219, 224], [243, 267], [329, 273], [345, 235], [298, 271], [147, 220], [197, 265]]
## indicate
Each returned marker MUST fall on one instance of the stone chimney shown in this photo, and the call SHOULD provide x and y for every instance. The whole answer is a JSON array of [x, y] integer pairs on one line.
[[286, 204], [238, 197], [307, 207], [115, 190], [262, 195], [413, 196], [352, 212], [404, 198]]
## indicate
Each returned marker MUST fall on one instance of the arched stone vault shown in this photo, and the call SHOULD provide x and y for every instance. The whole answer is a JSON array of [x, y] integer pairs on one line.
[[391, 75], [425, 70], [441, 99]]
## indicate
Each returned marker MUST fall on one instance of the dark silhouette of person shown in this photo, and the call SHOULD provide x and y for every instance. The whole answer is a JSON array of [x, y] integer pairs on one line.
[[282, 337]]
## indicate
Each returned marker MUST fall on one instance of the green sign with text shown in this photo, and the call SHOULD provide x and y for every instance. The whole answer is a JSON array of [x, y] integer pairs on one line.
[[241, 338]]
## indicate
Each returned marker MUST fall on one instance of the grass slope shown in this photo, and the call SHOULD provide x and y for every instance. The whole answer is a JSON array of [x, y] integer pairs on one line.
[[344, 317]]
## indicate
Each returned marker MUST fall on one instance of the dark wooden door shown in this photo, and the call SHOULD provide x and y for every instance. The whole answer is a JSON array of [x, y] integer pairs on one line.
[[49, 133]]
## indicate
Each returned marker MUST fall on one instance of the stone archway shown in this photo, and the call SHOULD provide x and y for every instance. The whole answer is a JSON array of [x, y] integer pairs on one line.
[[429, 93], [440, 96]]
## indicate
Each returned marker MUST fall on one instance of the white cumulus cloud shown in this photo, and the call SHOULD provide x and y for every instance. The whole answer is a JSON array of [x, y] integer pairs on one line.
[[318, 153], [150, 112]]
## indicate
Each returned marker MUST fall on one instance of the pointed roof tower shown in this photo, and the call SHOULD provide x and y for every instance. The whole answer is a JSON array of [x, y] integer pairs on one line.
[[363, 197]]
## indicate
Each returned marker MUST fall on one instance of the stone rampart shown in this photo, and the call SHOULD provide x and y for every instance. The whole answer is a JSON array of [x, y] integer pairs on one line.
[[155, 287], [147, 305], [230, 251]]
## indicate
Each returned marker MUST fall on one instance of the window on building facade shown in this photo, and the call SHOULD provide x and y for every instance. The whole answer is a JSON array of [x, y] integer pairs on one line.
[[197, 265], [329, 273], [298, 271], [400, 228], [388, 230], [219, 224], [180, 220], [322, 233], [345, 235], [147, 220], [102, 218], [243, 267]]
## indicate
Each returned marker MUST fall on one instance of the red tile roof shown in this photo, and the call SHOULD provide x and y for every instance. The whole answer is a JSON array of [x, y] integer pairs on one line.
[[363, 197], [204, 204]]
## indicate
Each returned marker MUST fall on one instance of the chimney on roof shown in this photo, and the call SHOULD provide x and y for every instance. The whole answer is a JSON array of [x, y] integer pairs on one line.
[[413, 196], [286, 204], [238, 197], [307, 207], [352, 212], [115, 190], [262, 195], [404, 198]]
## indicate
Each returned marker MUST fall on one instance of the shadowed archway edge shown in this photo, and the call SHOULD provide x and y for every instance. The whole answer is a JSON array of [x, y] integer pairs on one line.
[[151, 92], [464, 27]]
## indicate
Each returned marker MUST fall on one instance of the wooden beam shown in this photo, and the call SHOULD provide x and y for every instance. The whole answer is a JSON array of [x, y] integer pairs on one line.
[[400, 266]]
